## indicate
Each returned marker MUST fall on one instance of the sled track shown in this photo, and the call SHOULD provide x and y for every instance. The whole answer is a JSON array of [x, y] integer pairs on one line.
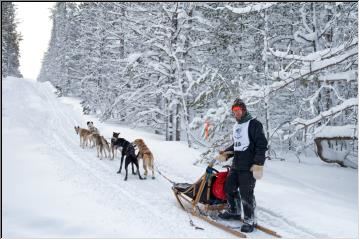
[[308, 186], [99, 169], [107, 178], [86, 160], [284, 227]]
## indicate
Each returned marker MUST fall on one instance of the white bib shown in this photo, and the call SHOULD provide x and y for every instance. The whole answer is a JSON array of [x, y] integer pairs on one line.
[[241, 136]]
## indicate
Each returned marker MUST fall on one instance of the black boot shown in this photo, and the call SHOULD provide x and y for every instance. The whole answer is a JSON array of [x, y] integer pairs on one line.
[[247, 228], [230, 214], [234, 207], [237, 201]]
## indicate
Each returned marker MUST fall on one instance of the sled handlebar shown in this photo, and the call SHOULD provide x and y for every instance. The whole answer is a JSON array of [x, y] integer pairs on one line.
[[212, 163], [210, 167]]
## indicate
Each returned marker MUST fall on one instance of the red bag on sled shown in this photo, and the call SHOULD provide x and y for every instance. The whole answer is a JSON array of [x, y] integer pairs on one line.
[[219, 184]]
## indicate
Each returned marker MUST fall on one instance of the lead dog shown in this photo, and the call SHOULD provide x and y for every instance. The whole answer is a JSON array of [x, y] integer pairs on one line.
[[84, 134], [146, 155]]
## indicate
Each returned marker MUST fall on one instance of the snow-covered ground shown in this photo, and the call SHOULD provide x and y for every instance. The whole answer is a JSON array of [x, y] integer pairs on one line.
[[52, 188]]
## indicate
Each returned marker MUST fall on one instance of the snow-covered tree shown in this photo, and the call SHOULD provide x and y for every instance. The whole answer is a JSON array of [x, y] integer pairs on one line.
[[177, 67], [10, 39], [59, 60]]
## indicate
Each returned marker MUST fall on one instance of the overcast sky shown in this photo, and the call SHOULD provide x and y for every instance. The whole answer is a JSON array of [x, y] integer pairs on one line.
[[35, 27]]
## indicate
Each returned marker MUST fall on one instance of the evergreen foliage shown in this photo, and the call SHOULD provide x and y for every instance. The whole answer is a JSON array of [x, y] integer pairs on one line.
[[173, 66], [10, 39]]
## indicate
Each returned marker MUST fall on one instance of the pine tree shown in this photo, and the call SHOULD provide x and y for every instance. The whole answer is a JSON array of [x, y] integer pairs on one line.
[[173, 67], [10, 39]]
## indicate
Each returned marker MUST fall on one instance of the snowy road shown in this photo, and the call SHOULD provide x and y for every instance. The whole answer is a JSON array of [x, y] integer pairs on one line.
[[54, 188]]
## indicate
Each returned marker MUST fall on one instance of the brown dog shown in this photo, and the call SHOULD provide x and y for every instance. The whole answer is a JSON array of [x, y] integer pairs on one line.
[[106, 145], [83, 133], [146, 155], [101, 145]]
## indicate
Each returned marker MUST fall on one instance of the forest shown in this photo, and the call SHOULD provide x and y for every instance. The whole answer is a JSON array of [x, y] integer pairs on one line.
[[176, 68]]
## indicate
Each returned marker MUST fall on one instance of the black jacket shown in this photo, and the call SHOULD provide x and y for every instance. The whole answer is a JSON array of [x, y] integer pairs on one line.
[[255, 153]]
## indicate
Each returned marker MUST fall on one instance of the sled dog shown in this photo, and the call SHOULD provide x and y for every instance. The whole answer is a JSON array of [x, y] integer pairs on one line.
[[127, 152], [83, 133], [101, 145], [112, 145], [146, 155], [91, 127], [106, 146]]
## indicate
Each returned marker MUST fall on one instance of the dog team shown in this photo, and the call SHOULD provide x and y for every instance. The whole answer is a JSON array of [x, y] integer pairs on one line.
[[91, 137]]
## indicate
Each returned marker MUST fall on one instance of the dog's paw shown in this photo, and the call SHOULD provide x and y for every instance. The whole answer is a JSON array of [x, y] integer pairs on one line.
[[125, 179], [118, 172], [152, 177]]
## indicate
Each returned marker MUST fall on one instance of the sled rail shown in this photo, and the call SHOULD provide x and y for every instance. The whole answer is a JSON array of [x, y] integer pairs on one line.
[[219, 225], [194, 203]]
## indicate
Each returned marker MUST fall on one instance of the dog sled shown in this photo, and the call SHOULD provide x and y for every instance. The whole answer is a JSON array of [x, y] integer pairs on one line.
[[205, 198]]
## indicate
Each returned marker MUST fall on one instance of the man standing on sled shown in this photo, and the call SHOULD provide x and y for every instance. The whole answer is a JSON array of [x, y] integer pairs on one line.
[[248, 150]]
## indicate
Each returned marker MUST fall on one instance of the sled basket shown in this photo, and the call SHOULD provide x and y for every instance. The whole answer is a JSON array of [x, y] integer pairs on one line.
[[202, 191], [203, 201]]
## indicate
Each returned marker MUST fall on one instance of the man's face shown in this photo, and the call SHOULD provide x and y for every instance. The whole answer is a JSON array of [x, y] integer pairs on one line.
[[238, 112]]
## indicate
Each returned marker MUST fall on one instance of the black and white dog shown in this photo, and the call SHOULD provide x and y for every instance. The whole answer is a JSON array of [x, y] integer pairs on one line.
[[127, 152], [91, 127]]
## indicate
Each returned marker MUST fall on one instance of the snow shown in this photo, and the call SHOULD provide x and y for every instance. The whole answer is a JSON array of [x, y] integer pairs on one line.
[[337, 131], [252, 8], [348, 76], [332, 155], [133, 57], [52, 188], [338, 108], [313, 66], [347, 131]]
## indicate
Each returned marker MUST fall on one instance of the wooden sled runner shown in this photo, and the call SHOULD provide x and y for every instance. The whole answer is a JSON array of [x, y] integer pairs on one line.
[[198, 200]]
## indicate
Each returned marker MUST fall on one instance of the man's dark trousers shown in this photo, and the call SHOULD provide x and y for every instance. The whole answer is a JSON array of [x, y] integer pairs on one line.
[[246, 182]]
